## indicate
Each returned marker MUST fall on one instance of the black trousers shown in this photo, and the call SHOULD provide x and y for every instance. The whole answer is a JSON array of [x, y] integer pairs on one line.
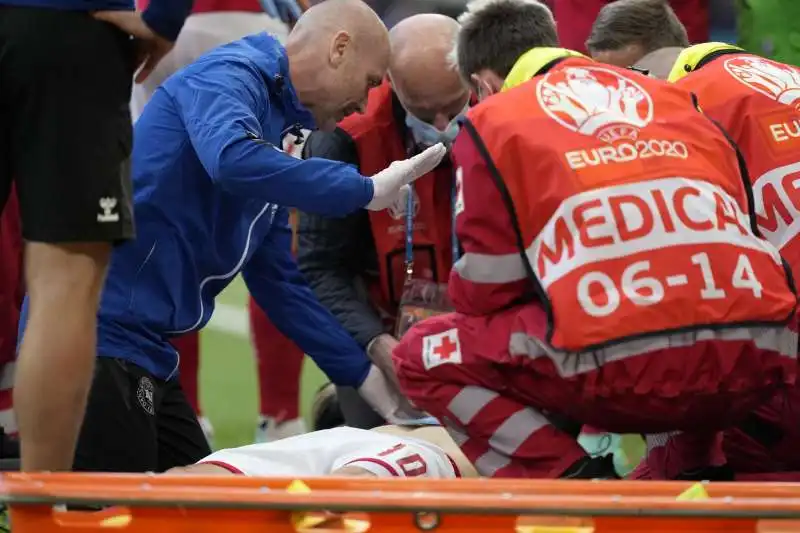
[[137, 423]]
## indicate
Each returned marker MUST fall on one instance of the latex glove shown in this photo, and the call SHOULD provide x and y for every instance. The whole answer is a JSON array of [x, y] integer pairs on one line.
[[287, 11], [379, 351], [392, 183], [378, 391]]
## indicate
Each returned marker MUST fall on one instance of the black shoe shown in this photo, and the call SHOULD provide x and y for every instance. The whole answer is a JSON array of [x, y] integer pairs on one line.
[[708, 473], [9, 449], [9, 446], [601, 467]]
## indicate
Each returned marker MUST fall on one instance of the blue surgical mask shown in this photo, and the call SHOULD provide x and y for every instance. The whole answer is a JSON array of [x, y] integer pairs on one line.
[[427, 134]]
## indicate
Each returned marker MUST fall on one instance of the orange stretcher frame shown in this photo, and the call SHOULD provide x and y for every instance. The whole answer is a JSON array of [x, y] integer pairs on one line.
[[194, 504]]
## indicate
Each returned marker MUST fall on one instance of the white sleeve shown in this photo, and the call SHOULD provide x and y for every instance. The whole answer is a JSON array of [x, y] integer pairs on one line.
[[405, 459]]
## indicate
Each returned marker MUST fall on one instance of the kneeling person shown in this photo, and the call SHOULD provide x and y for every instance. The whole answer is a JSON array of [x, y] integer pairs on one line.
[[755, 99], [612, 272]]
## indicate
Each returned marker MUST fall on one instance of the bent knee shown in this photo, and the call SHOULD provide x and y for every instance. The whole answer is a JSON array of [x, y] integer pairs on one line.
[[412, 356]]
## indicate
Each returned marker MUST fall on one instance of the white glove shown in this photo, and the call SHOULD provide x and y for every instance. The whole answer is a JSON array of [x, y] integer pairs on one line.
[[387, 401], [393, 182]]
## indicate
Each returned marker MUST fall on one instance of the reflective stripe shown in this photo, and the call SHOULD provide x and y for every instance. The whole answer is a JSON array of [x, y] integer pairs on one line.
[[485, 268], [7, 376], [458, 435], [490, 462], [777, 339], [658, 440], [516, 429], [469, 401]]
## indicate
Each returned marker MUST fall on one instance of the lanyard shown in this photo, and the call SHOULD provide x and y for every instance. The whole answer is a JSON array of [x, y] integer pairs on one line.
[[410, 229]]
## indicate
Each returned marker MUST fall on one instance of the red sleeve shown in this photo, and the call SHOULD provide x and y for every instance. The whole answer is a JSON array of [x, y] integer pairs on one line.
[[574, 20], [480, 281]]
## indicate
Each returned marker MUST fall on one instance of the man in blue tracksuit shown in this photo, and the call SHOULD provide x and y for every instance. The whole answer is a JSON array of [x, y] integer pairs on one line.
[[66, 68], [211, 189]]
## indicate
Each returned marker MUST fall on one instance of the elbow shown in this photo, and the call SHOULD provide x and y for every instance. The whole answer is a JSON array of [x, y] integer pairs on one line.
[[216, 165], [481, 299]]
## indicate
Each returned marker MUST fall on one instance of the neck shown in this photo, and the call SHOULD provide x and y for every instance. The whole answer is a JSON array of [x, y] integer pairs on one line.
[[660, 62]]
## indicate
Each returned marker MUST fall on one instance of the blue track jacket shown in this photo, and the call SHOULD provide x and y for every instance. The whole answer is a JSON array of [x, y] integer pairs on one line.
[[208, 181]]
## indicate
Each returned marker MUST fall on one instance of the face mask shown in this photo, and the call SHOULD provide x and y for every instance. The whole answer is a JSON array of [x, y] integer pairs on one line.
[[427, 134]]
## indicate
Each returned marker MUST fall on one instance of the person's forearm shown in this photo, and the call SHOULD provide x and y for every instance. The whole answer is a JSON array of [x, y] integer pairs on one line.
[[166, 17], [342, 299], [50, 394], [252, 168], [301, 318]]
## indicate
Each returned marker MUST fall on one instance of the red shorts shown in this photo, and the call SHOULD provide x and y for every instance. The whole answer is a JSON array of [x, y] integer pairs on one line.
[[496, 387]]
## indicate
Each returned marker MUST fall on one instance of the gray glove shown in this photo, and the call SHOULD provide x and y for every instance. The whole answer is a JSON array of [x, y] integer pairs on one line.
[[379, 392]]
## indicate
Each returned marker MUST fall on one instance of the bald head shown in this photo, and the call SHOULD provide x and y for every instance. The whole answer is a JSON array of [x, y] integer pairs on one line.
[[354, 17], [659, 63], [421, 46], [338, 50], [422, 71]]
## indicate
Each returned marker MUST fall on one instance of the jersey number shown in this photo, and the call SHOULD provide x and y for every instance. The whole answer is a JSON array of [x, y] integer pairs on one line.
[[412, 465]]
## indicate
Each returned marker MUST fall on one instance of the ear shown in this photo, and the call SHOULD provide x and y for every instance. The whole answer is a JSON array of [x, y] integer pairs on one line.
[[339, 44], [495, 82], [487, 85]]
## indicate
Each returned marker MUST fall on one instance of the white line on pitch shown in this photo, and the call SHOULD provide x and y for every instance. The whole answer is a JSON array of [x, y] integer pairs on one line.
[[230, 319]]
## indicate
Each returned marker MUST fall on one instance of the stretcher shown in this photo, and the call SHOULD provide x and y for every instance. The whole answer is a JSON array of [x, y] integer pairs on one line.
[[193, 504]]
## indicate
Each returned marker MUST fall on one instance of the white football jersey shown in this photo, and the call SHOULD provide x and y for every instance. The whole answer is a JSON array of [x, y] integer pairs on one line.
[[321, 452]]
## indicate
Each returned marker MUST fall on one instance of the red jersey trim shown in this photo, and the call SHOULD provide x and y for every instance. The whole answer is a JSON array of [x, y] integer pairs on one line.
[[389, 468], [229, 467]]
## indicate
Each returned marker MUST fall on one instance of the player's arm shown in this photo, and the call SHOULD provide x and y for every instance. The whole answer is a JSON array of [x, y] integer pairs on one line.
[[219, 106], [333, 252], [278, 287], [166, 17]]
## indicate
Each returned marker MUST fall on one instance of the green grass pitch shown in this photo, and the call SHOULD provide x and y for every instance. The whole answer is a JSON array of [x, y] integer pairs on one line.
[[228, 380]]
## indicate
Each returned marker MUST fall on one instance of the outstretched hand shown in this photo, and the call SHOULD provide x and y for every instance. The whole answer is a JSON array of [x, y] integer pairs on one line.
[[390, 185], [424, 162]]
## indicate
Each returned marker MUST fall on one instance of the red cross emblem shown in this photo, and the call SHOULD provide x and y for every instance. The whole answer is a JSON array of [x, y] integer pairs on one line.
[[441, 348], [446, 349]]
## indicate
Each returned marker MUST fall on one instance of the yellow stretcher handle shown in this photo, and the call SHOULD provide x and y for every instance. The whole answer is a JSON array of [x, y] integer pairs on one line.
[[304, 521]]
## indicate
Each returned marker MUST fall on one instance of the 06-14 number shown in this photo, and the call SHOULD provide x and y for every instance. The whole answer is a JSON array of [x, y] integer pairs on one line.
[[644, 290]]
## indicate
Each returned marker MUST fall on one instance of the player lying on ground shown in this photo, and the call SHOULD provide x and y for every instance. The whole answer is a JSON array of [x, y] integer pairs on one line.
[[755, 100], [387, 451], [613, 274]]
